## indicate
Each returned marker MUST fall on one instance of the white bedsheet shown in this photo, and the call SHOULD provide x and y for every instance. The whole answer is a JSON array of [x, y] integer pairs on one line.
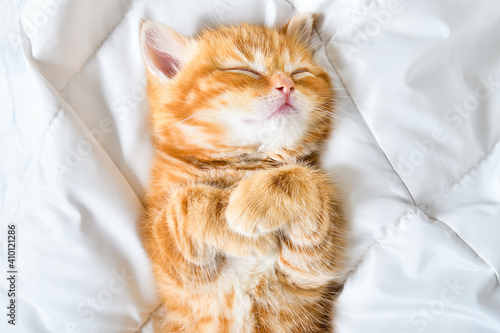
[[415, 152]]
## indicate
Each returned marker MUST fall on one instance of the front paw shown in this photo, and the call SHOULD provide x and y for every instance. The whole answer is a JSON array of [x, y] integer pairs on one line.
[[274, 198], [248, 210]]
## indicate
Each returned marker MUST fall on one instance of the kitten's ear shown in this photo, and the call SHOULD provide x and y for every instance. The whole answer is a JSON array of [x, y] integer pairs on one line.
[[163, 49], [301, 25]]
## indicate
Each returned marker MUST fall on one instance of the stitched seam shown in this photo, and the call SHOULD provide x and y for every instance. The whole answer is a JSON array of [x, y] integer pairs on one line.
[[469, 246], [459, 180], [93, 53], [34, 162], [407, 216], [389, 231]]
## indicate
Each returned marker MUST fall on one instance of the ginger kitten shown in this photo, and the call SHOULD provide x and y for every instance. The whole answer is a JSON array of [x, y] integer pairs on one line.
[[242, 228]]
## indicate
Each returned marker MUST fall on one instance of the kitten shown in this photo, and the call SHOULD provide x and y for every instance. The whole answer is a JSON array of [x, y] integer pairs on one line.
[[242, 228]]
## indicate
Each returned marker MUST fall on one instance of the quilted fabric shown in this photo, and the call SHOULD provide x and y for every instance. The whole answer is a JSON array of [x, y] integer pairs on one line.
[[415, 154]]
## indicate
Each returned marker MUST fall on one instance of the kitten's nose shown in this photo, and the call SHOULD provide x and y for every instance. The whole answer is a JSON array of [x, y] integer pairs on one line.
[[283, 83]]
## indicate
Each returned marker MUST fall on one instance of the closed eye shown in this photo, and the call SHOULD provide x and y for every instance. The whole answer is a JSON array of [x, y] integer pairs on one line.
[[243, 70], [301, 73]]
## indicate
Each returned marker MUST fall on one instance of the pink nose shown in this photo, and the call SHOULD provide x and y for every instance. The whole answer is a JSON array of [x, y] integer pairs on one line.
[[283, 83]]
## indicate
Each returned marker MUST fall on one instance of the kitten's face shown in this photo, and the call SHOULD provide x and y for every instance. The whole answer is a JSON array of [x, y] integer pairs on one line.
[[239, 86]]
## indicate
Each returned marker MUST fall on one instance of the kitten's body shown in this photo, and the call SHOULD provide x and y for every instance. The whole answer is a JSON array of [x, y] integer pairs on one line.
[[242, 229]]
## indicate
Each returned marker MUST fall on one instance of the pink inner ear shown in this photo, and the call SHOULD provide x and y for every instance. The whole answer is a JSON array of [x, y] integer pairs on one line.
[[162, 53], [165, 62]]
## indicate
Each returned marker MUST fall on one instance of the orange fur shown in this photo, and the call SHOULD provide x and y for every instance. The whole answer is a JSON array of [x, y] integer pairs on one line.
[[242, 228]]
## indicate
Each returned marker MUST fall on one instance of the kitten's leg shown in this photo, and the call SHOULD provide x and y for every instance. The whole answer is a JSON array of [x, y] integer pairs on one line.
[[195, 222], [299, 201]]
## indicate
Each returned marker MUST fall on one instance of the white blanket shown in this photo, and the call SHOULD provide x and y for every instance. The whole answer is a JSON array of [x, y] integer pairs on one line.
[[415, 153]]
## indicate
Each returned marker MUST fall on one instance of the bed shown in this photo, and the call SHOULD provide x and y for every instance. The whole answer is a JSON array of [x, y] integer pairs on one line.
[[414, 153]]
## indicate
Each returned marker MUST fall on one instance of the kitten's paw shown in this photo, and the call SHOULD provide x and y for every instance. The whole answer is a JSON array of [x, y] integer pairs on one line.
[[274, 198], [247, 211]]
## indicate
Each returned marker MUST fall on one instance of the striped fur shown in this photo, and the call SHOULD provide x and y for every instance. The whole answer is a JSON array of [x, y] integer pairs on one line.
[[242, 227]]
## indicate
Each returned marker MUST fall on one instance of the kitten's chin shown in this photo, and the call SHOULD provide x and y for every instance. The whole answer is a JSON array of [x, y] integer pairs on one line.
[[283, 129], [284, 111]]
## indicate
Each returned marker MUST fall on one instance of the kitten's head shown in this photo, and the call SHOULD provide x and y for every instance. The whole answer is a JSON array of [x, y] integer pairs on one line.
[[236, 89]]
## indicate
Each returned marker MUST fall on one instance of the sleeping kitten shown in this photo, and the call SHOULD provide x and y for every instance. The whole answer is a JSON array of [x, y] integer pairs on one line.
[[242, 228]]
